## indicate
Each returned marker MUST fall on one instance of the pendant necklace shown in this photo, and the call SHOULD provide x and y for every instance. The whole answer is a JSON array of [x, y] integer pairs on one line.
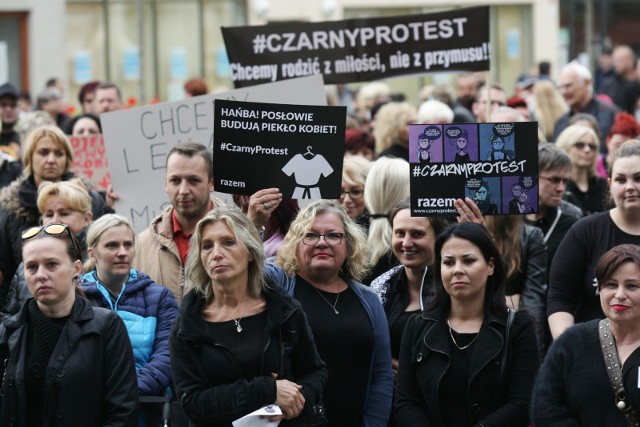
[[454, 340], [238, 326], [335, 310]]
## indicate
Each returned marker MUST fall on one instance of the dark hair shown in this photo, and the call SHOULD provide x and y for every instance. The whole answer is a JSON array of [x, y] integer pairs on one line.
[[544, 68], [191, 149], [552, 157], [627, 149], [613, 259], [68, 128], [108, 85], [438, 224], [195, 87], [587, 117], [494, 299], [86, 89], [356, 140]]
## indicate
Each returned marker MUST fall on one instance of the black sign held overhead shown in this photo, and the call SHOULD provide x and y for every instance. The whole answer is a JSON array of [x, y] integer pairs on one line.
[[296, 148], [494, 164], [356, 50]]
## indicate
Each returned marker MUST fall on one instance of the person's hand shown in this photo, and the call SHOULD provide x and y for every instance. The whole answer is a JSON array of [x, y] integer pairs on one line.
[[394, 366], [111, 197], [468, 211], [289, 399], [262, 203]]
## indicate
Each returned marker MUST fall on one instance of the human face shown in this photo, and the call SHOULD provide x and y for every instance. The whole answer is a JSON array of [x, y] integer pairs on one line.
[[464, 269], [574, 91], [49, 272], [9, 112], [353, 205], [516, 190], [323, 260], [412, 240], [583, 153], [461, 142], [85, 127], [498, 99], [188, 186], [88, 104], [113, 254], [423, 142], [552, 186], [107, 100], [223, 256], [57, 211], [615, 142], [48, 161], [523, 197], [625, 183], [620, 295]]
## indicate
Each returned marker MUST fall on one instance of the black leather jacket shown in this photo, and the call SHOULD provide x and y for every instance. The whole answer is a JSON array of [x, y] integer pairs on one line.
[[91, 377]]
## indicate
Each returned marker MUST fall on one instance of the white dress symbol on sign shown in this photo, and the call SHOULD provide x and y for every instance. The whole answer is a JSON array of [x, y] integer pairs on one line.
[[307, 169]]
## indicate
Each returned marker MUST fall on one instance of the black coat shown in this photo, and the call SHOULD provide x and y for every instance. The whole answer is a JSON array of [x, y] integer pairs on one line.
[[91, 376], [425, 357], [210, 385]]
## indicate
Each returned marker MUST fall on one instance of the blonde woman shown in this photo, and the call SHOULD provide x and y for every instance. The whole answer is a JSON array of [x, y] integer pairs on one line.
[[392, 129], [354, 175], [585, 189], [548, 106]]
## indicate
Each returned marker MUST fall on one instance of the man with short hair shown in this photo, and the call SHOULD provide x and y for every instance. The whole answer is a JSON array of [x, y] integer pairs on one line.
[[107, 98], [9, 114], [623, 86], [162, 249], [480, 106], [577, 90], [555, 216]]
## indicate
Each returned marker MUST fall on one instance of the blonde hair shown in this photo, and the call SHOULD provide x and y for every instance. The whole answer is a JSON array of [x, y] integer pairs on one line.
[[548, 106], [387, 185], [571, 134], [73, 192], [47, 131], [355, 265], [391, 119], [246, 235], [370, 94], [99, 227], [355, 170]]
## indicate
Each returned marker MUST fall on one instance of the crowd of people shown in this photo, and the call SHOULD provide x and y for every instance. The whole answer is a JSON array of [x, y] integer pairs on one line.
[[348, 312]]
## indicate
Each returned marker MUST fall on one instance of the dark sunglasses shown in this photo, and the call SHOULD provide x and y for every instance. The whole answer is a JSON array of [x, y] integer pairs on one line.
[[581, 145], [55, 230]]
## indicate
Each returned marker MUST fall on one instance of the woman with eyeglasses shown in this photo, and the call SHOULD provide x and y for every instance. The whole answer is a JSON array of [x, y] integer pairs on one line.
[[354, 175], [585, 189], [62, 202], [573, 293], [320, 263], [66, 363], [147, 308]]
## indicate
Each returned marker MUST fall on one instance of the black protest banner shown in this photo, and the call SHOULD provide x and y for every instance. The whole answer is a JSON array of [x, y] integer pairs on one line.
[[356, 50], [296, 148], [494, 164]]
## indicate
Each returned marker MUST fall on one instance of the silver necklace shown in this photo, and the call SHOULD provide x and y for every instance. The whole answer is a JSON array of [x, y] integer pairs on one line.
[[327, 301], [238, 326], [454, 340]]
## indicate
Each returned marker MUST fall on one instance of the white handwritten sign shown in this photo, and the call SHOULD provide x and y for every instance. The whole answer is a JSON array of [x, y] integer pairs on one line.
[[137, 140]]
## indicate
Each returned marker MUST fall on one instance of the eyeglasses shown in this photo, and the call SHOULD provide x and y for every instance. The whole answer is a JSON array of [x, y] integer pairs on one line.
[[52, 230], [354, 193], [581, 145], [8, 105], [555, 180], [312, 239]]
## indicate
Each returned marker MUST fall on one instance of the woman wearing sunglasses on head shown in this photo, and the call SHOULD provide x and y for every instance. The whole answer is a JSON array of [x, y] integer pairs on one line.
[[62, 202], [66, 363]]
